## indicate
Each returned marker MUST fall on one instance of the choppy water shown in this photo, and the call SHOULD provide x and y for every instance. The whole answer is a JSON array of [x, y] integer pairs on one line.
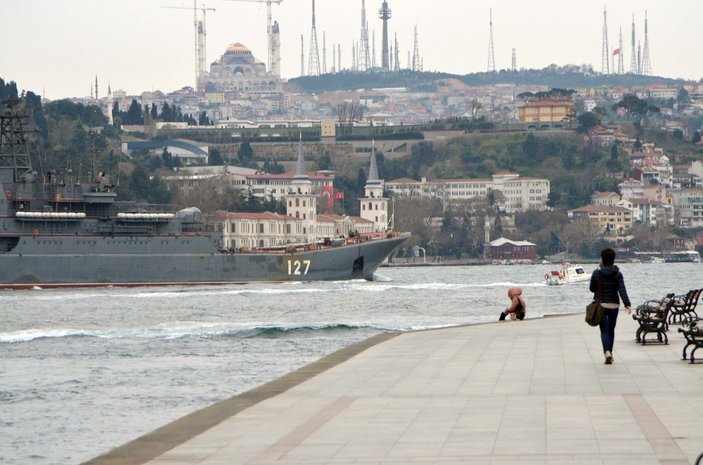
[[83, 371]]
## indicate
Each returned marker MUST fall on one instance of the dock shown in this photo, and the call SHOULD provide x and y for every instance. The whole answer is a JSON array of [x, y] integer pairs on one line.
[[518, 392]]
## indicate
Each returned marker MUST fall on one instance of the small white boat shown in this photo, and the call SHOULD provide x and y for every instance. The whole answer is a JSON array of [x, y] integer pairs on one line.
[[567, 274]]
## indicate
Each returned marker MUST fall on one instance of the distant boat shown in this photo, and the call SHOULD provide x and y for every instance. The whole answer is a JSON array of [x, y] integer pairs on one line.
[[686, 256], [567, 274]]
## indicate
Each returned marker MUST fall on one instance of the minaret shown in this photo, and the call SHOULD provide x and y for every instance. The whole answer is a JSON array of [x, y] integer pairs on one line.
[[486, 238], [275, 50], [324, 53], [621, 61], [301, 202], [374, 207], [96, 88], [302, 56]]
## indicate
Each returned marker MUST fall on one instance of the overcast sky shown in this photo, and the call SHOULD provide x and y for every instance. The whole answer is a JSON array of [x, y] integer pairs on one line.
[[58, 46]]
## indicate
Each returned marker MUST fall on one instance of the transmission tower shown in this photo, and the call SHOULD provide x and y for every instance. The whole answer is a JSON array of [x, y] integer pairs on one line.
[[385, 14], [416, 54], [633, 57], [491, 52], [621, 61], [605, 65], [514, 63], [364, 53], [646, 64], [314, 58]]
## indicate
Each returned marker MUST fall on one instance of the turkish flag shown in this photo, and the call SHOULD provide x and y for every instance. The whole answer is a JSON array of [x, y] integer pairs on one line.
[[327, 194], [339, 196]]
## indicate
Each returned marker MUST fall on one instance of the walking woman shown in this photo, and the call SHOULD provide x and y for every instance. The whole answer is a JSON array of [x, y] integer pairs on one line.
[[608, 285]]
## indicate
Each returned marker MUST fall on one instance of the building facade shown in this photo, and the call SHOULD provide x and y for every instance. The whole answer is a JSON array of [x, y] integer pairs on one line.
[[612, 220], [547, 112], [520, 193]]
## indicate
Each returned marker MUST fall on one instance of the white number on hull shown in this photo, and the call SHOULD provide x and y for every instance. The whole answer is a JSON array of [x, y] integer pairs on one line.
[[298, 267]]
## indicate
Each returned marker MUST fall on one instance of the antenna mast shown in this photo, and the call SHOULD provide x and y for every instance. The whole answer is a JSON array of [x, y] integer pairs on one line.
[[633, 58], [491, 52], [314, 58], [646, 64], [416, 54], [364, 54], [385, 14]]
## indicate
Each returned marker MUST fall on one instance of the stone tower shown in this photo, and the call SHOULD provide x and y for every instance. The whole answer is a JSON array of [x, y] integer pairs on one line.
[[373, 206], [301, 202]]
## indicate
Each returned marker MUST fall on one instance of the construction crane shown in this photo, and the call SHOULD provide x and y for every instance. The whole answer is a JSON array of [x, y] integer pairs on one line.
[[200, 31], [269, 27]]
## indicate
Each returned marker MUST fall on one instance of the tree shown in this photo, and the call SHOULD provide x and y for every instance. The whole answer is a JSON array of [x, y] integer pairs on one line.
[[134, 114], [696, 137], [215, 158], [245, 155], [587, 121]]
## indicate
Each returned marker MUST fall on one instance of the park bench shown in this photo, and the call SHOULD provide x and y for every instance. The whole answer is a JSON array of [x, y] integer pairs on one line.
[[694, 337], [652, 317], [684, 307]]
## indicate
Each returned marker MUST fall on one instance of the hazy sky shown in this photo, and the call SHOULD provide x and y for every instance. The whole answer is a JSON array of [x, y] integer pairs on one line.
[[59, 46]]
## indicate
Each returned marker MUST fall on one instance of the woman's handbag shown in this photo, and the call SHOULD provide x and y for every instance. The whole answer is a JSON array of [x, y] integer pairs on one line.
[[594, 313], [594, 310]]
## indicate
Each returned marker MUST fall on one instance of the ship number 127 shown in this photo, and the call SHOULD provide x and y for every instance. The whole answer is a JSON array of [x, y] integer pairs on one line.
[[298, 267]]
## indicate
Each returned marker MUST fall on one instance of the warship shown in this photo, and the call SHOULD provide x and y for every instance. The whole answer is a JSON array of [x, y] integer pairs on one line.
[[63, 232]]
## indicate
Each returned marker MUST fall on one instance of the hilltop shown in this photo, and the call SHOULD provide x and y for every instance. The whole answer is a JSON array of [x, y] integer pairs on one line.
[[569, 76]]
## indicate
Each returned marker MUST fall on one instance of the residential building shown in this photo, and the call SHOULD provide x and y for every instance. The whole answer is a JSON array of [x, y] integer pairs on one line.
[[605, 198], [613, 220], [547, 112], [520, 193]]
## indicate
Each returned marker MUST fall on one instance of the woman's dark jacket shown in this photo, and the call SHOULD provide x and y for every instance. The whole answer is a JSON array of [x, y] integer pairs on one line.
[[612, 285]]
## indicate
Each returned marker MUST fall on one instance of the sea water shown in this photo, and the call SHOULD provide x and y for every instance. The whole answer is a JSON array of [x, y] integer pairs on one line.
[[85, 370]]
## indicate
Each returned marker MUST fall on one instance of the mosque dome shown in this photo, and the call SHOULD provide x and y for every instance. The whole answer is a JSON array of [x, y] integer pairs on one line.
[[237, 49]]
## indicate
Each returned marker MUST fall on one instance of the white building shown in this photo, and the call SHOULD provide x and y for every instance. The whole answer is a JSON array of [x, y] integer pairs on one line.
[[301, 224], [521, 193]]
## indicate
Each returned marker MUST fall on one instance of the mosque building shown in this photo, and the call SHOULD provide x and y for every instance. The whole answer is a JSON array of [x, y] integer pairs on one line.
[[238, 70]]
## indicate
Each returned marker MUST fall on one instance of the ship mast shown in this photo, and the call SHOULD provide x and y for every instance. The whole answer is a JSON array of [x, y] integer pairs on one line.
[[15, 165]]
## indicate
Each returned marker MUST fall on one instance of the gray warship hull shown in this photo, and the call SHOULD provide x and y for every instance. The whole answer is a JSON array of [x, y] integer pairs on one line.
[[60, 230], [28, 266]]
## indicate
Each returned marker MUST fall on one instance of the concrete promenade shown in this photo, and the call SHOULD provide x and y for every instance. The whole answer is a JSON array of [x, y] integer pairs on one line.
[[530, 392]]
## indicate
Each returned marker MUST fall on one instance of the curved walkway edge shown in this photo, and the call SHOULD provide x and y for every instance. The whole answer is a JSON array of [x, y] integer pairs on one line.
[[531, 392]]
